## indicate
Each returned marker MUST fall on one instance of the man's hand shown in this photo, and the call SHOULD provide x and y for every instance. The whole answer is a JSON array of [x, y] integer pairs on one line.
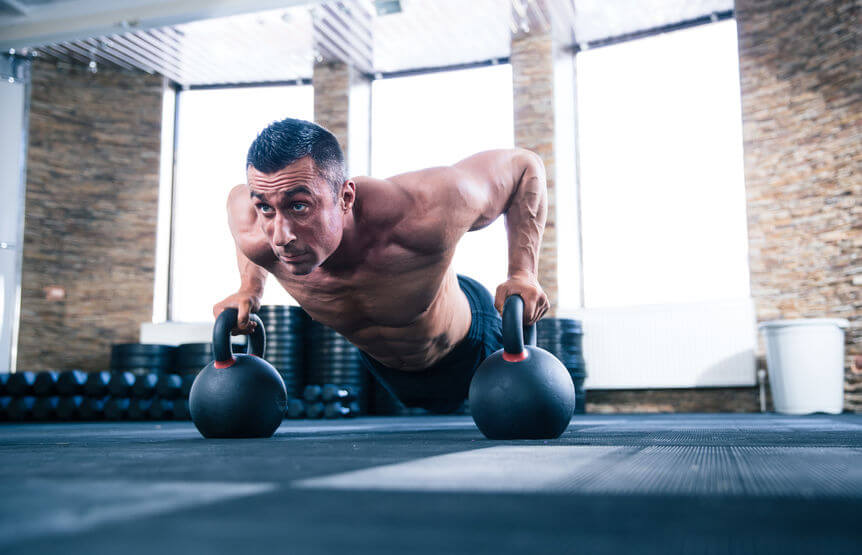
[[535, 301], [245, 302]]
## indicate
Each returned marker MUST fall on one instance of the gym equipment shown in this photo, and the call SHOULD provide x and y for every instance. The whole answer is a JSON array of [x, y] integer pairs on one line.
[[315, 410], [337, 409], [69, 408], [332, 392], [145, 386], [71, 382], [96, 384], [285, 345], [45, 383], [141, 358], [4, 408], [4, 377], [20, 384], [295, 408], [169, 386], [330, 358], [117, 408], [45, 408], [121, 383], [521, 391], [21, 408], [92, 408], [162, 409], [181, 409], [312, 393], [237, 395], [188, 380], [139, 409]]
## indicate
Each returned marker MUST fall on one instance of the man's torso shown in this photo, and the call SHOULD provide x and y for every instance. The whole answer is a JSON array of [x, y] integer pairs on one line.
[[400, 302]]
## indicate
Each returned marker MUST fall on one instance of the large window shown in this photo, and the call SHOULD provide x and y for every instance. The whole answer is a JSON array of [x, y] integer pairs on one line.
[[214, 130], [662, 190], [437, 119]]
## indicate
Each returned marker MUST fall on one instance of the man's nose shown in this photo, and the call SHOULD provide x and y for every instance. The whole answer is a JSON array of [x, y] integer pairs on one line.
[[283, 236]]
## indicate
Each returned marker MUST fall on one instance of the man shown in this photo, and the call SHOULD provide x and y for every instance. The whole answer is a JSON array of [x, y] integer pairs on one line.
[[371, 258]]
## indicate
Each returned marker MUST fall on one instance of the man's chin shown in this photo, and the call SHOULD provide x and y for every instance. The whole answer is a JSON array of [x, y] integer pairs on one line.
[[301, 269]]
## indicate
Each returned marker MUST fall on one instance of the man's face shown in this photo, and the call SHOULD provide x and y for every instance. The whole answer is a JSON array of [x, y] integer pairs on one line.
[[298, 214]]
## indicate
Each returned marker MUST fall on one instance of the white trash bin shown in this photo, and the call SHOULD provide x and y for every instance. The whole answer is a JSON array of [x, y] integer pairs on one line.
[[805, 358]]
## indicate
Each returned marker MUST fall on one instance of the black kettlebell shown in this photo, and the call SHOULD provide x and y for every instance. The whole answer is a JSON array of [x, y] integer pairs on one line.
[[521, 392], [237, 395]]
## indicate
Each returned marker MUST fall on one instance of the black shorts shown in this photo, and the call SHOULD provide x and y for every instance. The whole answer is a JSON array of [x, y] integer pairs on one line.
[[444, 386]]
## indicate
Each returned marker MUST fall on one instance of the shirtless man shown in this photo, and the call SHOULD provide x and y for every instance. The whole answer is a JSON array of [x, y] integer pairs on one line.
[[371, 258]]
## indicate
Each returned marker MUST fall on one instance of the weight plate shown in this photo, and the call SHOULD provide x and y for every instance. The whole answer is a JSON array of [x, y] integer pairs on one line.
[[123, 349]]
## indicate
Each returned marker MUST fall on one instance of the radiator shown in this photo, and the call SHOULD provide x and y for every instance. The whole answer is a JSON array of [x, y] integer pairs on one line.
[[669, 346]]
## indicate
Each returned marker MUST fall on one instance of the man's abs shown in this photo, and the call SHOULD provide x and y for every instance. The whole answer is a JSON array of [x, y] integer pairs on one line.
[[407, 320]]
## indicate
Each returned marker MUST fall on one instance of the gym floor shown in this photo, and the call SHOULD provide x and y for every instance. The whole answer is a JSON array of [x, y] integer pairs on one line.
[[612, 484]]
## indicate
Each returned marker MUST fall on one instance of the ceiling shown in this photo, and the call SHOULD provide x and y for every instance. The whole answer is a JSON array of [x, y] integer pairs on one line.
[[193, 42]]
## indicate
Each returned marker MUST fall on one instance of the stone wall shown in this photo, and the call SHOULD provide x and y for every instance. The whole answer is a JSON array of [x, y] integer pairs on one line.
[[801, 79], [90, 214]]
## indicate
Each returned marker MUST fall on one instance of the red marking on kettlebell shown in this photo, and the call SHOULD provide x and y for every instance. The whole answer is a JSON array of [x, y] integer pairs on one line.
[[220, 364], [509, 357]]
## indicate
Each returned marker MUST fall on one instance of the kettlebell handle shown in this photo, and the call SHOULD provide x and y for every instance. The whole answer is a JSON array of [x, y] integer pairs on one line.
[[513, 326], [227, 321]]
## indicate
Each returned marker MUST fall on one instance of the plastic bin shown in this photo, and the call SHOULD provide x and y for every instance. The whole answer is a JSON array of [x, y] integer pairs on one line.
[[805, 358]]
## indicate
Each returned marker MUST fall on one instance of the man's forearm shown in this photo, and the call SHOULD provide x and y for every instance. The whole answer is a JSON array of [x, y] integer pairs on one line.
[[252, 277], [525, 218]]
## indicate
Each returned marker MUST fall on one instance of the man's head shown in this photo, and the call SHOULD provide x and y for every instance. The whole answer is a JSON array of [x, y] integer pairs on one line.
[[296, 175]]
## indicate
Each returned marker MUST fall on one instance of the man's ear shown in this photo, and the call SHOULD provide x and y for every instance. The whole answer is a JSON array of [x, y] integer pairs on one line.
[[348, 195]]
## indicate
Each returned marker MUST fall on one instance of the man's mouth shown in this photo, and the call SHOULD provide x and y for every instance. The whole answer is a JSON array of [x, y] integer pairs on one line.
[[293, 257]]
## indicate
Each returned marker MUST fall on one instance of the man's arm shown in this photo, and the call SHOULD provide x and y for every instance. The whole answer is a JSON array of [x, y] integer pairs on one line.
[[511, 182], [242, 221]]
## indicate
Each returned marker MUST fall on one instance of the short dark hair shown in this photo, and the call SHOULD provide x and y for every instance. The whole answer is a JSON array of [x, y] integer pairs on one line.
[[284, 142]]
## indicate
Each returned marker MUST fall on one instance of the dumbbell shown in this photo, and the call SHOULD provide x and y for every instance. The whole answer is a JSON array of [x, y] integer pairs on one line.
[[45, 383], [71, 382], [169, 386], [337, 409], [21, 408], [121, 383], [96, 384], [92, 408], [295, 408], [312, 393], [139, 409], [117, 408], [315, 410], [20, 384], [181, 409], [69, 408], [332, 392], [188, 380], [145, 386], [45, 408], [161, 409]]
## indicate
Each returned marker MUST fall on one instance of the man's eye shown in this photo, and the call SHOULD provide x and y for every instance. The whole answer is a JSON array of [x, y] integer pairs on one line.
[[265, 208], [301, 204]]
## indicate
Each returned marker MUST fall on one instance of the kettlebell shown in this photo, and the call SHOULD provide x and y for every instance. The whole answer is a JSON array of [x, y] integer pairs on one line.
[[521, 391], [237, 395]]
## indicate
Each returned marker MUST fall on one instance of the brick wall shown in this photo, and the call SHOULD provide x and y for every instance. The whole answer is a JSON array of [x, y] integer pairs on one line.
[[801, 79], [533, 99], [90, 214]]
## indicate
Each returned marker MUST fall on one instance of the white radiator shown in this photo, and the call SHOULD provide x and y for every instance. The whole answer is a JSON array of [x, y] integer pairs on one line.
[[675, 345]]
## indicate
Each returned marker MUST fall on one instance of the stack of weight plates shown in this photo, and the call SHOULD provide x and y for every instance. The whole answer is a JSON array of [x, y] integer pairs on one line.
[[285, 346], [192, 357], [141, 358], [330, 358], [564, 338]]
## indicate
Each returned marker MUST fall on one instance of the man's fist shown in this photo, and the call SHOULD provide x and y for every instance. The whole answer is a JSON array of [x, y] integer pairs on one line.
[[245, 302], [535, 301]]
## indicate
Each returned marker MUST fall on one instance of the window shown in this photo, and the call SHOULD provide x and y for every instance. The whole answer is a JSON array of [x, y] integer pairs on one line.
[[215, 127], [437, 119], [661, 169]]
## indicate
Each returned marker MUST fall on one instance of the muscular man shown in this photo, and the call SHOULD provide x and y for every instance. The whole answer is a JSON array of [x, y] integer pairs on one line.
[[371, 258]]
